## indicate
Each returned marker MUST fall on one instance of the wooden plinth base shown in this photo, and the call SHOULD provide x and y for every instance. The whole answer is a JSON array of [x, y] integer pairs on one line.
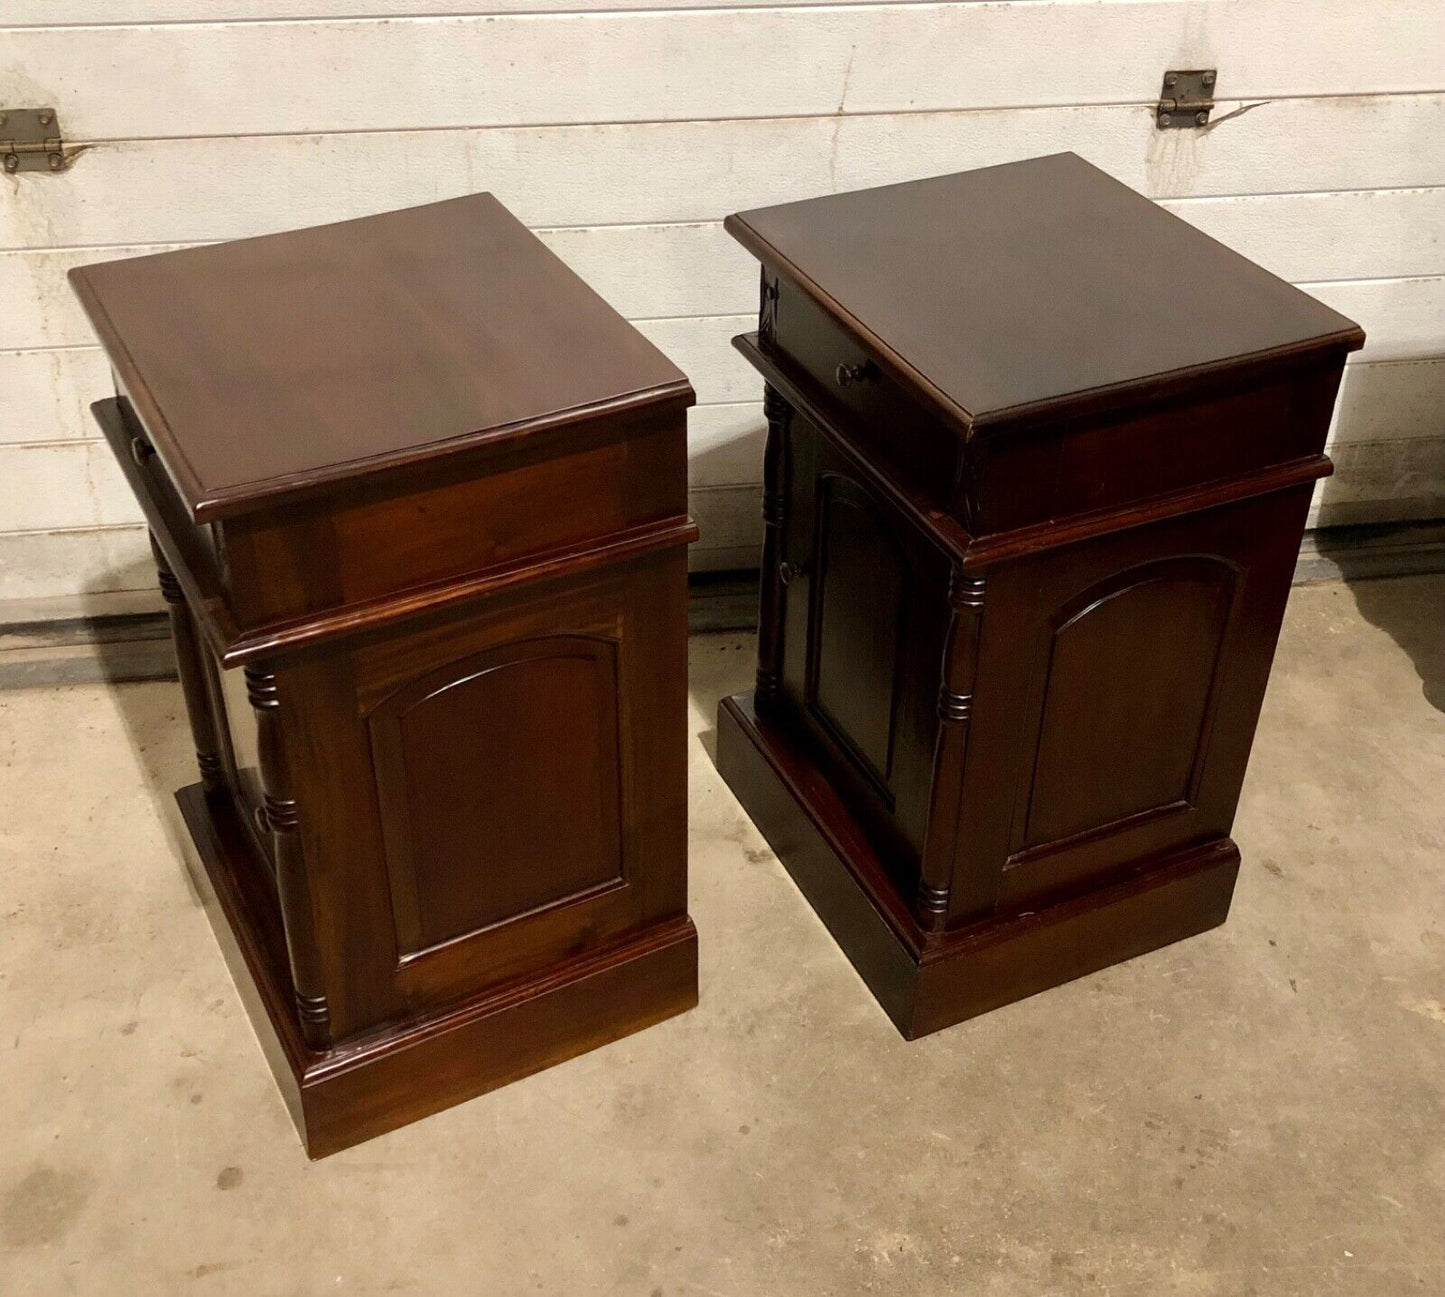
[[926, 981], [374, 1084]]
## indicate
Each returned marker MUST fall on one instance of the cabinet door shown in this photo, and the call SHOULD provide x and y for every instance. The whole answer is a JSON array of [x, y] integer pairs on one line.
[[1118, 688], [862, 641]]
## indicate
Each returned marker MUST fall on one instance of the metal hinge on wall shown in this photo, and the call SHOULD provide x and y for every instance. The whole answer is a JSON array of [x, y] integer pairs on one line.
[[1186, 99], [30, 140]]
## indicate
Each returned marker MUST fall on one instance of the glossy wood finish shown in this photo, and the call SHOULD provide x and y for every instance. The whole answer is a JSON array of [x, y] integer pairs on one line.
[[927, 982], [1018, 614], [452, 317], [378, 1082], [438, 709], [1002, 296], [434, 809]]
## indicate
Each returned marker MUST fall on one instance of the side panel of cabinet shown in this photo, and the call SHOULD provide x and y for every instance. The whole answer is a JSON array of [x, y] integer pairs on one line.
[[1118, 688], [474, 760], [863, 633], [1112, 745], [498, 788]]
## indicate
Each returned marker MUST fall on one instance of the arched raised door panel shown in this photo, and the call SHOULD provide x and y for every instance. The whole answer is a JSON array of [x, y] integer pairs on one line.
[[499, 781], [856, 627], [1126, 679]]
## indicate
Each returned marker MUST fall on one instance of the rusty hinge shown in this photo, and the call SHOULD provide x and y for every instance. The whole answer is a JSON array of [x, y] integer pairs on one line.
[[1186, 99], [30, 140]]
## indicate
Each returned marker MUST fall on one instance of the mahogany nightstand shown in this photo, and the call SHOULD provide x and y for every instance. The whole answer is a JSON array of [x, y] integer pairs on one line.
[[1038, 464], [418, 500]]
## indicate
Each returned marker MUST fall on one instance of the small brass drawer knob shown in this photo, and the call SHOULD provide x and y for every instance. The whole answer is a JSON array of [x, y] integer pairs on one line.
[[141, 450], [790, 572], [847, 375]]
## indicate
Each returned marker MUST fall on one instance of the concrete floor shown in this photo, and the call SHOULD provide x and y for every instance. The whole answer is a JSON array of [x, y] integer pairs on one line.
[[1259, 1110]]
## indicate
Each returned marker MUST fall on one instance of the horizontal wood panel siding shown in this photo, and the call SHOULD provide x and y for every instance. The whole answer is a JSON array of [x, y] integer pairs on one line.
[[1402, 400], [1301, 237], [44, 13], [65, 484], [667, 65], [71, 563], [188, 189], [623, 132], [46, 395]]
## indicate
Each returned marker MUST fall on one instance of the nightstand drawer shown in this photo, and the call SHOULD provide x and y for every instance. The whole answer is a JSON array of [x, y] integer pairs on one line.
[[998, 484], [850, 388]]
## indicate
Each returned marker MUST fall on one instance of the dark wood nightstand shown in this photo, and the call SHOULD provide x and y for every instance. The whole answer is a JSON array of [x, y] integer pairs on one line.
[[418, 499], [1038, 465]]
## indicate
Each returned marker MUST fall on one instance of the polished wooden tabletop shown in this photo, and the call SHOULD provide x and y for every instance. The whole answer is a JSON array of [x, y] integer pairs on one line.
[[1007, 290], [284, 364]]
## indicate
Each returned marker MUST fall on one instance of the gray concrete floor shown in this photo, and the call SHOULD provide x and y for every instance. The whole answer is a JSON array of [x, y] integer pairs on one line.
[[1259, 1110]]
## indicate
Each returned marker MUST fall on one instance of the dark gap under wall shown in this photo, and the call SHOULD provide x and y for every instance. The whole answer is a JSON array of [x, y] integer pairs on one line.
[[138, 646]]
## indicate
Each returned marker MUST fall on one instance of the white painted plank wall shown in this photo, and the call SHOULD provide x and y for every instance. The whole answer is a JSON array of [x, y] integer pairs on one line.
[[680, 65], [622, 132]]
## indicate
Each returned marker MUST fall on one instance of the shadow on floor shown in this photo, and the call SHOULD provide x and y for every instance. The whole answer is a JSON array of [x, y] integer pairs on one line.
[[718, 665], [135, 658], [1411, 610]]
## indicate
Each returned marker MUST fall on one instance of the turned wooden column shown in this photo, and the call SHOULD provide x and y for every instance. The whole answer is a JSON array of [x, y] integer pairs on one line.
[[283, 820], [955, 705], [191, 668], [771, 580]]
